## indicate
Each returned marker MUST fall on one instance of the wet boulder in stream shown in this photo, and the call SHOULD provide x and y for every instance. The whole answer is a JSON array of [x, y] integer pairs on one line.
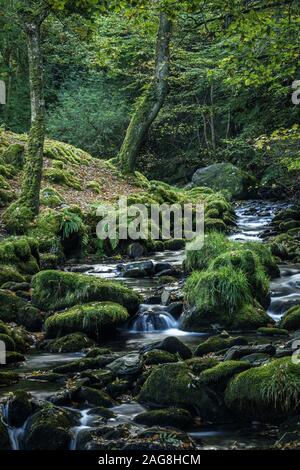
[[172, 345], [175, 385], [50, 429]]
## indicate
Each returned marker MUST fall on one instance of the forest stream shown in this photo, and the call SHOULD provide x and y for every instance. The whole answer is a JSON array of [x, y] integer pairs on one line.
[[154, 322]]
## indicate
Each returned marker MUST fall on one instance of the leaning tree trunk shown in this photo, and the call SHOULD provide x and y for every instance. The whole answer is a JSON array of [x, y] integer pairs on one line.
[[151, 103], [32, 176]]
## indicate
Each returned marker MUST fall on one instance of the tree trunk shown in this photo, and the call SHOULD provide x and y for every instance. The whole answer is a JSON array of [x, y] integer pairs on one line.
[[150, 105], [32, 176]]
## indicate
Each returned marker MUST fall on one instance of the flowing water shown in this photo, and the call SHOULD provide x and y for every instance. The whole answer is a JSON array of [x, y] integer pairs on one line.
[[153, 322]]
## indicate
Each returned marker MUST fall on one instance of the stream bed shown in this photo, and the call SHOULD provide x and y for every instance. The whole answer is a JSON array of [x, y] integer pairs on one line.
[[154, 322]]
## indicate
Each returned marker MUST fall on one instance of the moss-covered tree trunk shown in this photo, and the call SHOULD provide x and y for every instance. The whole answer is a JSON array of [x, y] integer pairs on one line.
[[21, 212], [151, 103], [31, 182]]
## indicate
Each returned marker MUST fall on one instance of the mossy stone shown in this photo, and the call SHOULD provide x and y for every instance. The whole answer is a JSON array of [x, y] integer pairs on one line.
[[96, 320], [70, 343], [291, 319], [158, 357], [53, 290], [218, 376], [267, 393], [217, 343]]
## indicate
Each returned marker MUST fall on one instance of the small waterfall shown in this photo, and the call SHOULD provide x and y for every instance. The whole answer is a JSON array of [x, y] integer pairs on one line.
[[152, 318], [16, 435], [84, 420]]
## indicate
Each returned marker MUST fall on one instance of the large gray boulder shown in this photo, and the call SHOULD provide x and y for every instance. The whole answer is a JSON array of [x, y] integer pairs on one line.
[[224, 177]]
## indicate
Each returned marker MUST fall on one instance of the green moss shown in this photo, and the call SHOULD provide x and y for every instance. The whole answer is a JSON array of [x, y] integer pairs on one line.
[[158, 357], [9, 274], [13, 357], [218, 376], [291, 319], [8, 378], [215, 225], [62, 177], [65, 153], [15, 309], [8, 341], [199, 364], [7, 171], [217, 343], [251, 317], [49, 428], [5, 197], [14, 155], [4, 184], [50, 197], [20, 252], [269, 392], [175, 417], [95, 319], [54, 290], [269, 331], [17, 218], [70, 343], [173, 385], [94, 186]]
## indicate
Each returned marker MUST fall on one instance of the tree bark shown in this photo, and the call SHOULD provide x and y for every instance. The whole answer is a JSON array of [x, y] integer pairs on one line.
[[152, 102], [32, 175]]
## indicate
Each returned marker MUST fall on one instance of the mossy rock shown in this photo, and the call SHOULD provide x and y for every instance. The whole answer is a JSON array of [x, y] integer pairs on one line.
[[170, 344], [10, 274], [14, 155], [199, 364], [215, 344], [84, 364], [21, 253], [218, 376], [53, 290], [5, 197], [49, 429], [8, 341], [272, 331], [217, 225], [174, 417], [95, 352], [267, 393], [15, 309], [63, 178], [291, 319], [175, 385], [8, 378], [93, 397], [216, 296], [20, 407], [248, 262], [224, 177], [96, 320], [70, 343], [51, 198], [157, 357], [13, 357], [94, 186], [214, 244], [250, 317]]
